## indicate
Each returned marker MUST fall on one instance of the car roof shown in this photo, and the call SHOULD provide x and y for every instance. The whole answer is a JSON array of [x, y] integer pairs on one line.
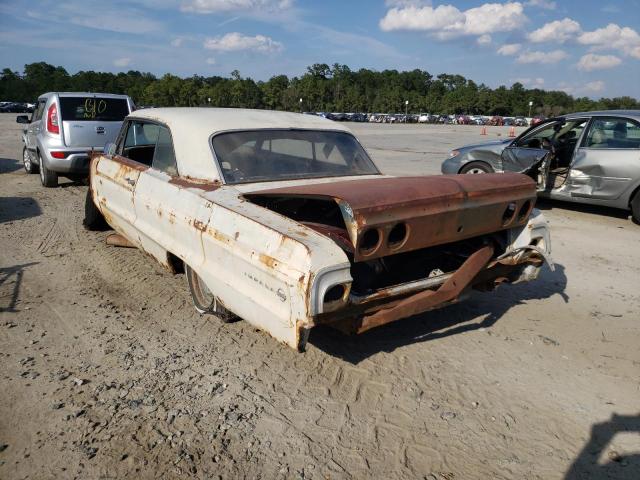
[[192, 127], [84, 94], [624, 113]]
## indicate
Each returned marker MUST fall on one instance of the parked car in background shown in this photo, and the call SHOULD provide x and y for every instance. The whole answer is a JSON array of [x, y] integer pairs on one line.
[[283, 220], [15, 107], [537, 120], [590, 157], [520, 122], [65, 127]]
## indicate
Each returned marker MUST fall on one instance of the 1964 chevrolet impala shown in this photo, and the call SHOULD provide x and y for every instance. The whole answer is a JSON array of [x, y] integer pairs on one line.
[[283, 220]]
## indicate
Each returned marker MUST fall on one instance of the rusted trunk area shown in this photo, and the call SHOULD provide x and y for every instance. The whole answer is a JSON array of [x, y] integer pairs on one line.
[[389, 216]]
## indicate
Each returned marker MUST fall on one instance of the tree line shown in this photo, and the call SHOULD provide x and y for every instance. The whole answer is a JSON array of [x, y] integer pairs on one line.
[[322, 87]]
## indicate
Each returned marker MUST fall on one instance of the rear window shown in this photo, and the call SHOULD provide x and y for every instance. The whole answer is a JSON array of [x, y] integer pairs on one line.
[[78, 109]]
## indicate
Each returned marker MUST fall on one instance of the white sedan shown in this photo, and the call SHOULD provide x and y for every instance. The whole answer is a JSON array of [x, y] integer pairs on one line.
[[283, 220]]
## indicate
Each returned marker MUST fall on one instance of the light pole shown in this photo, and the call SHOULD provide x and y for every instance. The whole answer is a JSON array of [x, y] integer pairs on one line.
[[406, 110], [530, 105], [209, 101], [300, 105]]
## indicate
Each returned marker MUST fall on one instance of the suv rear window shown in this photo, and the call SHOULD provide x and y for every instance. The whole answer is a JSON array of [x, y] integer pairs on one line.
[[78, 109]]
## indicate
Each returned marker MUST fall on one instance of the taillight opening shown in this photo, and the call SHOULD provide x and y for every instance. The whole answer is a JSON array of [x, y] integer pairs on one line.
[[52, 119], [59, 154]]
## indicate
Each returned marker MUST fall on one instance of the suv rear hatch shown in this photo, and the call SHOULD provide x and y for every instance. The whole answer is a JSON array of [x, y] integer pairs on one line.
[[91, 121]]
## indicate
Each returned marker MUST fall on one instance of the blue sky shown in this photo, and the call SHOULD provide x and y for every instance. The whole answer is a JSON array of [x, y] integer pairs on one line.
[[585, 47]]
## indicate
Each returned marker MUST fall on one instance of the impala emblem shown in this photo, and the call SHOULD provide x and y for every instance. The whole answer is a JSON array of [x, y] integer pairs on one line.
[[100, 130]]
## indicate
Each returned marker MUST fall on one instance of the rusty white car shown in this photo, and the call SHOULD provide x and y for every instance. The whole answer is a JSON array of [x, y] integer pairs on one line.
[[282, 219]]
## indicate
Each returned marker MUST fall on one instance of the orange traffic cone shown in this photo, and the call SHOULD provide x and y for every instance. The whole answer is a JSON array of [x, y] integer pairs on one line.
[[483, 131], [512, 131]]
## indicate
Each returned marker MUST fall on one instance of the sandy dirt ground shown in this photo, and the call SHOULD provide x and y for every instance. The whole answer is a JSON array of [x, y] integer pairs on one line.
[[108, 371]]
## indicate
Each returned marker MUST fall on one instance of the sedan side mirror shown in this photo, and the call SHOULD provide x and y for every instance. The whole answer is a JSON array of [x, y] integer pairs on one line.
[[110, 148], [22, 119]]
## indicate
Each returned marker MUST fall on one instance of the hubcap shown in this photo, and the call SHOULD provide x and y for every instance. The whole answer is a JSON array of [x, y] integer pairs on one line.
[[26, 159], [475, 171]]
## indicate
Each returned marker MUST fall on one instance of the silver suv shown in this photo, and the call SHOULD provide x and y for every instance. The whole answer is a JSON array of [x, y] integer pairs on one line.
[[65, 127]]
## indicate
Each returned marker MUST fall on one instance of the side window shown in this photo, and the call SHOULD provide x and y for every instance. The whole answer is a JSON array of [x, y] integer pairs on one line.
[[38, 111], [534, 139], [613, 133], [140, 141], [164, 158]]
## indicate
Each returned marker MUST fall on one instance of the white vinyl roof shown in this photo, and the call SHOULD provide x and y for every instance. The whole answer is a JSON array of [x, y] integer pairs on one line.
[[192, 128]]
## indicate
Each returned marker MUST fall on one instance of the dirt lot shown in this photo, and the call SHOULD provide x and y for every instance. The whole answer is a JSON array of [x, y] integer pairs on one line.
[[108, 372]]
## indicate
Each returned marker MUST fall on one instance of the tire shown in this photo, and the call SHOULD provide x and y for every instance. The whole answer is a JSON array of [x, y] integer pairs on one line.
[[204, 300], [635, 208], [476, 167], [29, 166], [93, 219], [48, 178]]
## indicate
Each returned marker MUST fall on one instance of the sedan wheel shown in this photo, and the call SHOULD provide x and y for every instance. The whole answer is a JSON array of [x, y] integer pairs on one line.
[[475, 168], [204, 300]]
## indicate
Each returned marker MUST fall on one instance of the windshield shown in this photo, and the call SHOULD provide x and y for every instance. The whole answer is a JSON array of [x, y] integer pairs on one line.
[[266, 155], [77, 109]]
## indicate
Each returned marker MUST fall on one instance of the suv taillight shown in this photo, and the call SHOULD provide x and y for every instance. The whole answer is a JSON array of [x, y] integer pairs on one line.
[[52, 119]]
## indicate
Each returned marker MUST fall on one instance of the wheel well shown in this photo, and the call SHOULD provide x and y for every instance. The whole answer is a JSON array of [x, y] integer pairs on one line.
[[176, 265]]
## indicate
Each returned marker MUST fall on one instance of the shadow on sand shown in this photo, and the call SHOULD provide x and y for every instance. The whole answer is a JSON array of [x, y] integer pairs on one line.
[[615, 465], [7, 275], [18, 208]]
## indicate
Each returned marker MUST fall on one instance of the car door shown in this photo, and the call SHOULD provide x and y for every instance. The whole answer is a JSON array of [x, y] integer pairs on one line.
[[608, 159], [169, 217], [527, 151], [118, 174], [34, 126]]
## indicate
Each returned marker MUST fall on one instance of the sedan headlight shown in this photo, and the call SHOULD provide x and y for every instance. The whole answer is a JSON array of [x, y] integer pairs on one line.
[[454, 153]]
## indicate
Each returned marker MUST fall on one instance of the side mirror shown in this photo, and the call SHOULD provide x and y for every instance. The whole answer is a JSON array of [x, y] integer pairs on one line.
[[110, 148], [22, 119]]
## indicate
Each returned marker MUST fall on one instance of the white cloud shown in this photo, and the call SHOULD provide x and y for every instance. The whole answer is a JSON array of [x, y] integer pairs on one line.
[[446, 21], [546, 4], [484, 40], [122, 62], [558, 31], [509, 49], [594, 87], [591, 61], [222, 6], [542, 57], [177, 42], [585, 89], [613, 37], [211, 61], [233, 42]]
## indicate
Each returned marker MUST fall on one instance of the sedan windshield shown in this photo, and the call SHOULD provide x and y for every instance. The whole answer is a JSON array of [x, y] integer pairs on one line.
[[266, 155]]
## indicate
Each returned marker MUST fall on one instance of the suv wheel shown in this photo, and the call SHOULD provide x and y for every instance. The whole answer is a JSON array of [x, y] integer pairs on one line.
[[204, 300], [48, 178], [29, 166]]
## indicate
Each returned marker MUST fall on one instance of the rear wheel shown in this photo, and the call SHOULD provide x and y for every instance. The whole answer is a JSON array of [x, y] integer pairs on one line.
[[48, 177], [476, 168], [204, 300], [29, 166], [635, 208], [93, 219]]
